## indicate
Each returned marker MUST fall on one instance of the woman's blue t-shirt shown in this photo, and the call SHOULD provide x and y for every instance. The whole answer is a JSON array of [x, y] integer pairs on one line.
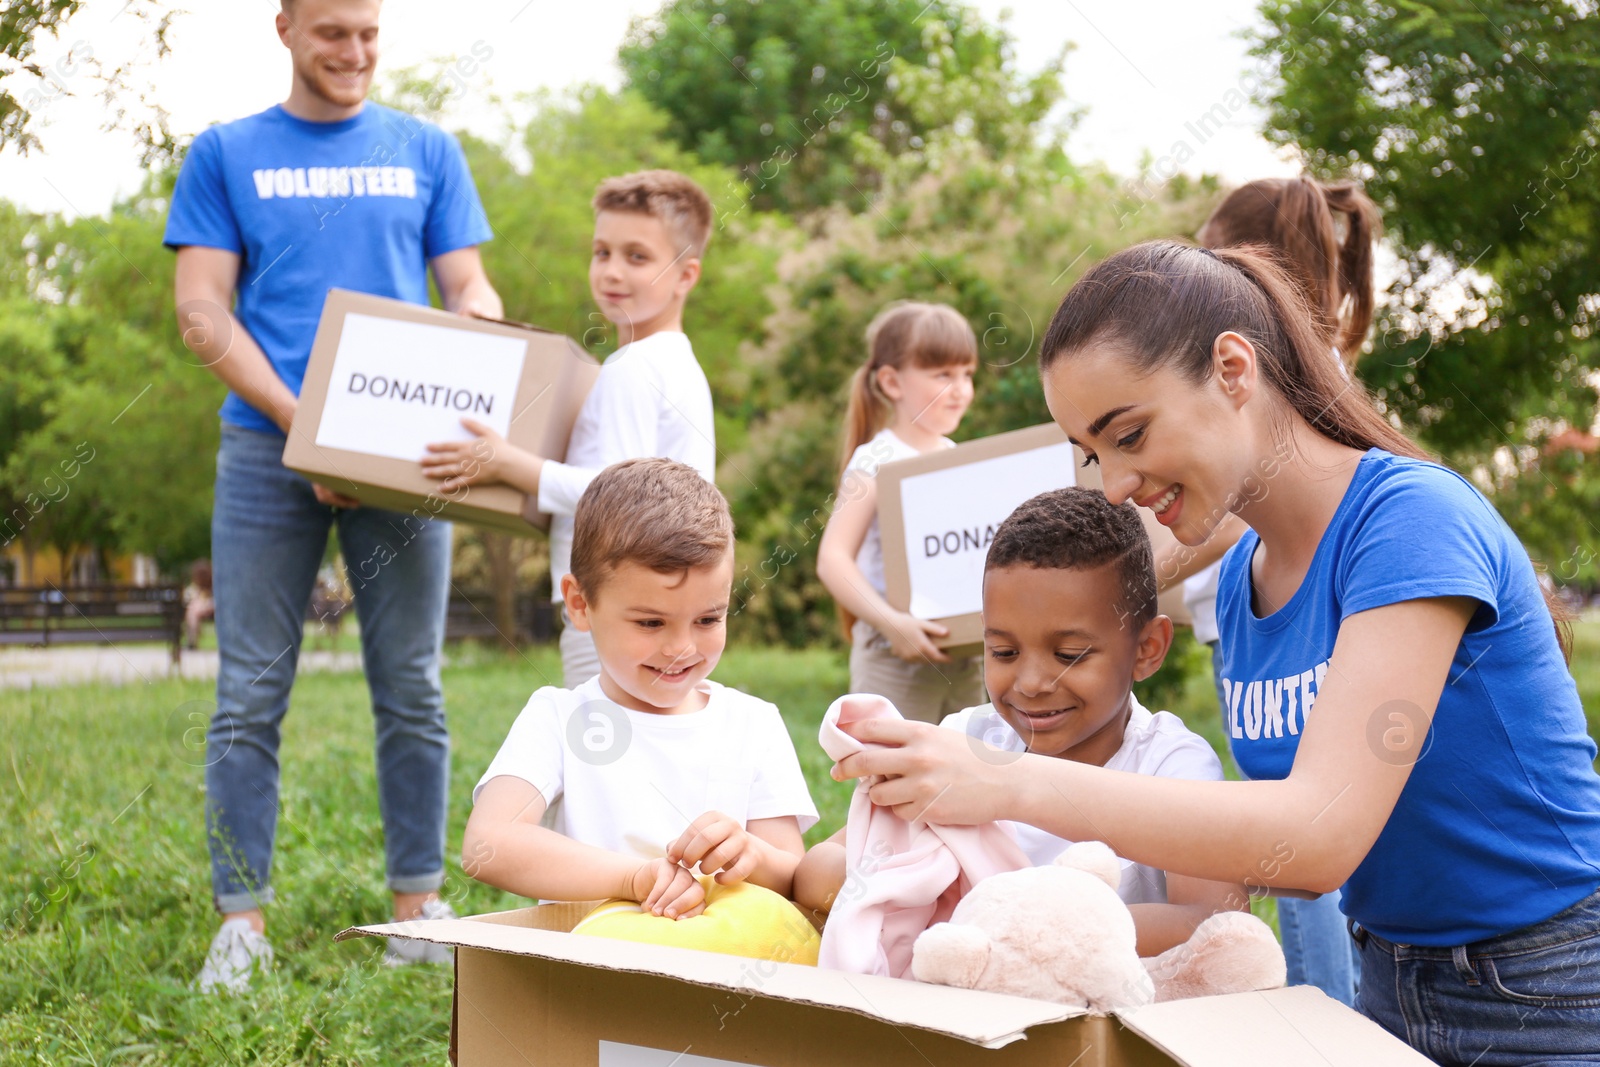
[[1498, 826]]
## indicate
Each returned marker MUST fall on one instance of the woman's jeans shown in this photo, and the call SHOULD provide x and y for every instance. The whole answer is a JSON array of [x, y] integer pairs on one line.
[[1316, 944], [268, 536], [1528, 997]]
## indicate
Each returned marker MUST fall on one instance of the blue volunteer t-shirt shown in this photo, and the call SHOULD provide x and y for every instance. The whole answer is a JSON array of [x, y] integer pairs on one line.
[[1498, 826], [362, 204]]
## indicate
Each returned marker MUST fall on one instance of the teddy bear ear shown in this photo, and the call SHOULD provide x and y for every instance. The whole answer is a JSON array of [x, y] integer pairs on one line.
[[950, 954], [1093, 857]]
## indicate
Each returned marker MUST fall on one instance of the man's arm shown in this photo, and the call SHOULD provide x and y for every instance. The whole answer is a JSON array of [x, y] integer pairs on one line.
[[463, 285], [203, 291]]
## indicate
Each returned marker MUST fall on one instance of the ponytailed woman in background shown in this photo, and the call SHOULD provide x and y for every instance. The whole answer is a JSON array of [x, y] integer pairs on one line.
[[906, 399], [1323, 236], [1398, 692]]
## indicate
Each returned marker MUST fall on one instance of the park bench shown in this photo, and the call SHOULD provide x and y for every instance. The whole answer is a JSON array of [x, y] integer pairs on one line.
[[60, 615], [471, 615]]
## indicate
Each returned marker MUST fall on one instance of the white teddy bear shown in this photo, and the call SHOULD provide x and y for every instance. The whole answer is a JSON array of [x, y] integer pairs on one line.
[[1062, 933]]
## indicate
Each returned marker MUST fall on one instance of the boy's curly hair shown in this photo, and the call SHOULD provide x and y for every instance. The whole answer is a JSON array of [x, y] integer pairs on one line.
[[1078, 529]]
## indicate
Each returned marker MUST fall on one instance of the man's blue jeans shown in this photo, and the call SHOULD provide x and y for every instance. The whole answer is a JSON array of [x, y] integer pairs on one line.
[[1316, 943], [268, 535], [1528, 997]]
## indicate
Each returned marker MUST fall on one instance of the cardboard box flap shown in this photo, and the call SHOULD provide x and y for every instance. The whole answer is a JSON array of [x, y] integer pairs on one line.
[[991, 1020], [1293, 1025]]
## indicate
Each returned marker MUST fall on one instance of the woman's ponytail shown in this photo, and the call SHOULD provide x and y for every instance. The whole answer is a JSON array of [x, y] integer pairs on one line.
[[1202, 294], [1298, 368]]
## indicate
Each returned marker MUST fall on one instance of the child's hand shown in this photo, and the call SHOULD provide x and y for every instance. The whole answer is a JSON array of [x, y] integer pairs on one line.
[[910, 638], [662, 887], [720, 846], [491, 458]]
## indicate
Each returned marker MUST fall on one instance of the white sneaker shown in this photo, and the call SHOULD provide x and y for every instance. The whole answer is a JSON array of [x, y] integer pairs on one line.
[[237, 952], [405, 950]]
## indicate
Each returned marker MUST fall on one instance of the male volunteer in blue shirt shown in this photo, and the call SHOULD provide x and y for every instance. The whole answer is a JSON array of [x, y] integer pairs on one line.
[[323, 190]]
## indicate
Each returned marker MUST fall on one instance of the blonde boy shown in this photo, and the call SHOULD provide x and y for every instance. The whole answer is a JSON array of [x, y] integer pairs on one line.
[[652, 398], [657, 769]]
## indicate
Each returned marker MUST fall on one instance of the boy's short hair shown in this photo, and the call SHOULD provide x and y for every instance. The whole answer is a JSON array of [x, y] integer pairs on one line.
[[1078, 529], [675, 199], [656, 512]]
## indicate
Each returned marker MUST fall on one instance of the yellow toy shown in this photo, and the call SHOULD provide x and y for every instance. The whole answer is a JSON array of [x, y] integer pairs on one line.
[[741, 919]]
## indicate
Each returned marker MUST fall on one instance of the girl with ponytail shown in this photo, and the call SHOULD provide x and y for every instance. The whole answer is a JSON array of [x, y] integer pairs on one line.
[[1301, 220], [1395, 689], [905, 400]]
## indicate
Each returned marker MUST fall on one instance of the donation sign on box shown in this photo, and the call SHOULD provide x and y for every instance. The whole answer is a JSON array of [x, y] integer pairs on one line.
[[938, 513], [391, 393], [387, 378]]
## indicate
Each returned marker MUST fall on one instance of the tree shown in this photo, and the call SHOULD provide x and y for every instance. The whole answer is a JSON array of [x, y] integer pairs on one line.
[[999, 234], [20, 25], [24, 22], [1474, 125], [781, 90], [118, 396]]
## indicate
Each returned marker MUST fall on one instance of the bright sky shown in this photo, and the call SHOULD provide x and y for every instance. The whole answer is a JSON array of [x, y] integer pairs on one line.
[[1147, 73]]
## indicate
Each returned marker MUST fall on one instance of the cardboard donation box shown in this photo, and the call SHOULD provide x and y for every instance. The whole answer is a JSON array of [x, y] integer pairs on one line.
[[386, 378], [937, 514], [529, 994]]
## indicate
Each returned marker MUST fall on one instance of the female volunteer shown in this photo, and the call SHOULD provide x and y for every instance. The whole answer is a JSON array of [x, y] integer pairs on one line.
[[1394, 679]]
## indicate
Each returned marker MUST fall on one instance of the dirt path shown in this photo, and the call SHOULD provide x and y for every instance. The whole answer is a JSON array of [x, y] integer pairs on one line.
[[24, 668]]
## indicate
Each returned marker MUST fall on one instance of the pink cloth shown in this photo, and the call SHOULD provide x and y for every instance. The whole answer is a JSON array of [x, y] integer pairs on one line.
[[900, 877]]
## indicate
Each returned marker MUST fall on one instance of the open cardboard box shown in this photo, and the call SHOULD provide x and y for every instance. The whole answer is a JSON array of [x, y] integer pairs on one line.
[[938, 511], [386, 378], [528, 993]]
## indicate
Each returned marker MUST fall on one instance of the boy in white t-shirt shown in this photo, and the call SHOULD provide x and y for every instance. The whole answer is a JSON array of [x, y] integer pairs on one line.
[[1070, 623], [657, 769], [651, 399]]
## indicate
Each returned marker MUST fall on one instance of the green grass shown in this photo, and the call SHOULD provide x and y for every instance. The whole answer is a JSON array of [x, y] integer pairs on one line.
[[105, 894]]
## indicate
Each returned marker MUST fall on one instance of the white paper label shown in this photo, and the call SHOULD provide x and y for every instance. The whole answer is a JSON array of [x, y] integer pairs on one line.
[[397, 386], [616, 1054], [951, 516]]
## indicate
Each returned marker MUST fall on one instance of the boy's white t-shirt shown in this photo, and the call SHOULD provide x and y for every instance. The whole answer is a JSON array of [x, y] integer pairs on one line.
[[886, 447], [1200, 597], [651, 399], [632, 781], [1156, 744]]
